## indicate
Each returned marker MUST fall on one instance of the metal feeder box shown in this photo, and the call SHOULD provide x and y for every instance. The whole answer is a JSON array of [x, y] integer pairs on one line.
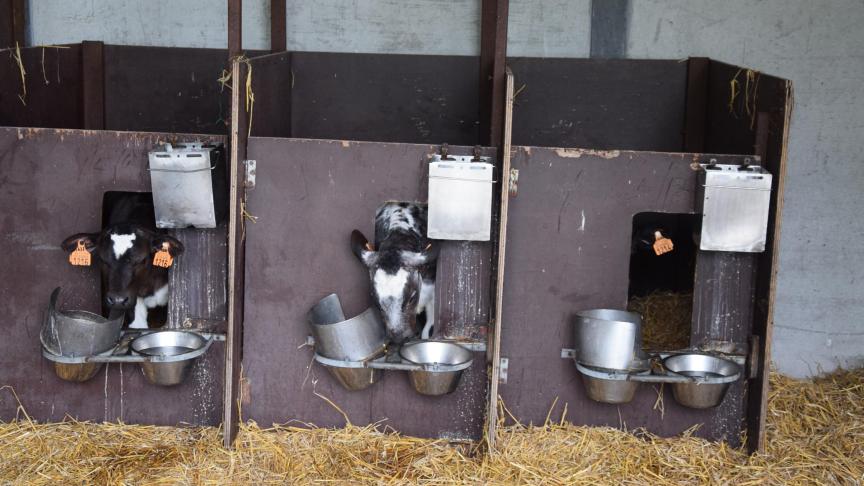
[[189, 185], [734, 202], [460, 198]]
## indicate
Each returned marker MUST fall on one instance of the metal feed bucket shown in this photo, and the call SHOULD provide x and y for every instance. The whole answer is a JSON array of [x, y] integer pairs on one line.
[[702, 367], [75, 334], [174, 353], [354, 339], [609, 387], [357, 339], [443, 363], [607, 338]]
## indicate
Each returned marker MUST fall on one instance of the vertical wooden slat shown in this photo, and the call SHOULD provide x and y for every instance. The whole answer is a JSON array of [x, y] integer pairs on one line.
[[495, 332], [236, 253], [696, 105], [235, 28], [609, 28], [12, 23], [775, 143], [493, 54], [92, 85], [278, 42]]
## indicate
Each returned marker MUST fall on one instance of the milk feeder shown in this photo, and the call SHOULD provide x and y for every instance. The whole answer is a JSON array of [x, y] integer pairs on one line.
[[189, 185], [460, 197]]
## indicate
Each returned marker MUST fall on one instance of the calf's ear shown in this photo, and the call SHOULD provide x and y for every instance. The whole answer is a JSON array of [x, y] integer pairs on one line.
[[89, 239], [420, 258], [362, 249], [175, 247]]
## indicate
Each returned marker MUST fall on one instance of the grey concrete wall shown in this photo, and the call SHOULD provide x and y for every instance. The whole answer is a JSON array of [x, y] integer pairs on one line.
[[819, 322], [548, 28], [816, 43]]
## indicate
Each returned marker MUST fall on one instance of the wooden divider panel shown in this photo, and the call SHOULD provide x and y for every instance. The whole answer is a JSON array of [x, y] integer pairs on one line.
[[568, 249], [51, 186], [309, 196]]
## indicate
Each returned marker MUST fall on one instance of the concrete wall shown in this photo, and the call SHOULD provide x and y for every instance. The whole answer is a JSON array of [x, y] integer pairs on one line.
[[550, 28], [816, 43]]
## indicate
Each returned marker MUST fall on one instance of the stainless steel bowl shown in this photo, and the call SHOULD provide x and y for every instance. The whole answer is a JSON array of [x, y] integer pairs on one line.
[[443, 364], [608, 386], [175, 352], [355, 339], [711, 378], [607, 338]]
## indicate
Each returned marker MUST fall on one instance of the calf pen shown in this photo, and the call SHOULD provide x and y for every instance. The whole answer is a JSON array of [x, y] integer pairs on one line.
[[287, 244]]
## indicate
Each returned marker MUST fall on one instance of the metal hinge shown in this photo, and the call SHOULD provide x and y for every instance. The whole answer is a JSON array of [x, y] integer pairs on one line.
[[250, 173], [503, 366], [513, 188]]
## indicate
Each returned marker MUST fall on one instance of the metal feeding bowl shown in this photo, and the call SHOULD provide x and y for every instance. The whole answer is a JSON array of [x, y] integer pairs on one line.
[[77, 333], [443, 363], [611, 386], [607, 338], [357, 339], [711, 378], [172, 354]]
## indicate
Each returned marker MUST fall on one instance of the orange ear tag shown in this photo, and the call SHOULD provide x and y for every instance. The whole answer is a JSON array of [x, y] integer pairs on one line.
[[80, 257], [662, 245], [163, 258]]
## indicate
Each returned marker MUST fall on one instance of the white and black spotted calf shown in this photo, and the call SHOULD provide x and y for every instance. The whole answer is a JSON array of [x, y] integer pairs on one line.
[[401, 268], [124, 251]]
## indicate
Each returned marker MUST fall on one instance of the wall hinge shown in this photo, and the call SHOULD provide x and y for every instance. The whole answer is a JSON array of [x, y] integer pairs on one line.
[[250, 173], [513, 187], [503, 366]]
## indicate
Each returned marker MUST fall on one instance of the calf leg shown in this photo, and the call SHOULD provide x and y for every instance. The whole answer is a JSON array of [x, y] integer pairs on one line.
[[427, 300], [140, 321]]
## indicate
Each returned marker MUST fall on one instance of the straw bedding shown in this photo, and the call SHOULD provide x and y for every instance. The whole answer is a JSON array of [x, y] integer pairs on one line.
[[815, 436], [665, 319]]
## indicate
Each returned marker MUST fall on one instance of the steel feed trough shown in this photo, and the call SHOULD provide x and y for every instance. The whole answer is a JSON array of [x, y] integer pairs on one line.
[[355, 351], [609, 357], [80, 342]]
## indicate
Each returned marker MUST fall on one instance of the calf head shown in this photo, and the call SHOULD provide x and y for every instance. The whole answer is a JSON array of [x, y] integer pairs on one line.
[[125, 257], [396, 277]]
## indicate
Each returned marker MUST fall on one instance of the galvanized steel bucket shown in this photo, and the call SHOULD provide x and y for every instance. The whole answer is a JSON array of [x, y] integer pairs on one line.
[[75, 334], [358, 339]]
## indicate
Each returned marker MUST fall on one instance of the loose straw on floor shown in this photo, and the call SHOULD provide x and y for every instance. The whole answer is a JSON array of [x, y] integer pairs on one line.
[[815, 436]]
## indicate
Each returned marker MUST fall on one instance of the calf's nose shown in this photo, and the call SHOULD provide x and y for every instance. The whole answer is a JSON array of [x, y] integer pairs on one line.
[[116, 300]]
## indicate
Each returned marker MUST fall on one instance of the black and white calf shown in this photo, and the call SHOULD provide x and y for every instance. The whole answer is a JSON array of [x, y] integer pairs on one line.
[[124, 250], [401, 268]]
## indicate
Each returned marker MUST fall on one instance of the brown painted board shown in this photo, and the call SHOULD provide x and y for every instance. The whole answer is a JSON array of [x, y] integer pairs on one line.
[[599, 103], [568, 249], [735, 131], [166, 89], [53, 96], [309, 195], [384, 97], [51, 186], [272, 79]]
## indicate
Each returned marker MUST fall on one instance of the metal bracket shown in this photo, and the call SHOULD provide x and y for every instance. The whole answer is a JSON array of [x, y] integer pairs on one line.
[[250, 173], [568, 353], [503, 366], [753, 361], [513, 187]]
